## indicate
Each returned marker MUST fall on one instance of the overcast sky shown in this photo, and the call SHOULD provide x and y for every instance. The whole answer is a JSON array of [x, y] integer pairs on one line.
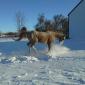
[[31, 9]]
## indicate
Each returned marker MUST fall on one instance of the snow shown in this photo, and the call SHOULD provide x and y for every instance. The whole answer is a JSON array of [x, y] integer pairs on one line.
[[62, 67], [59, 71]]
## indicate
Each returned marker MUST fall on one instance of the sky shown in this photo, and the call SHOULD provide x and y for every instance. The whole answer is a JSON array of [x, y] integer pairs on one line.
[[31, 9]]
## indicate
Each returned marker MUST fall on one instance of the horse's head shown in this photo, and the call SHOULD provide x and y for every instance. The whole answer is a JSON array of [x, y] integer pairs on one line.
[[60, 36], [22, 33]]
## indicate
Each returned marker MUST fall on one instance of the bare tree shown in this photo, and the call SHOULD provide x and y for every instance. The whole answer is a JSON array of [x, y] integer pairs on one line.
[[20, 20], [40, 26]]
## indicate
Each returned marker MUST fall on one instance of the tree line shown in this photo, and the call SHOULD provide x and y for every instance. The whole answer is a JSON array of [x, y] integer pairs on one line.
[[57, 23]]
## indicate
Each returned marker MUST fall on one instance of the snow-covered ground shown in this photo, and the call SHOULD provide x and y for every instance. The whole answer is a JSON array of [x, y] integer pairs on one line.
[[28, 70], [68, 68], [60, 66]]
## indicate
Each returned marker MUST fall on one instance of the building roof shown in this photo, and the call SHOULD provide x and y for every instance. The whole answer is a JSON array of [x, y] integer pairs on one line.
[[75, 7]]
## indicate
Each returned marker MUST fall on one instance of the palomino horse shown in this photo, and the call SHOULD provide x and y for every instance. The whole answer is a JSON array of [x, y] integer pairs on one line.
[[42, 37]]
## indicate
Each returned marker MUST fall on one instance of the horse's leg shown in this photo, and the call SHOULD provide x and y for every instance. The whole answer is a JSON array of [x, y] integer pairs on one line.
[[49, 46], [32, 45], [29, 45], [34, 49]]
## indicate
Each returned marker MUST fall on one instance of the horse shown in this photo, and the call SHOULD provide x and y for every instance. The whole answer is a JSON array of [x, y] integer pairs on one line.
[[40, 37]]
